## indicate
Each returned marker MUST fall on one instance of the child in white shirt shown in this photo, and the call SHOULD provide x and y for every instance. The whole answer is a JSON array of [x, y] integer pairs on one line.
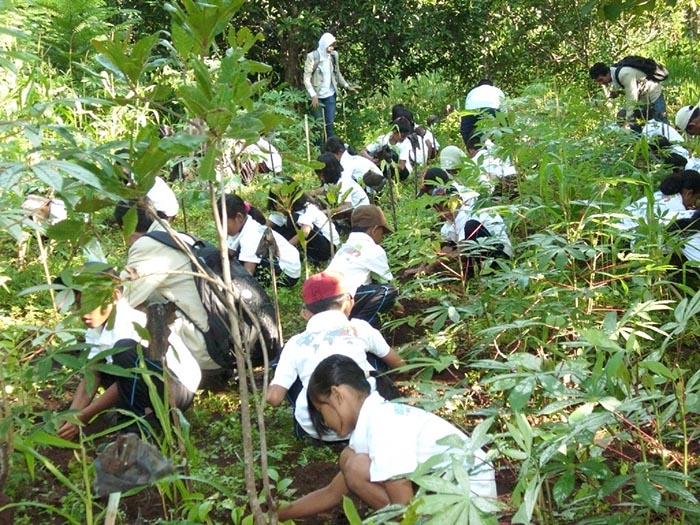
[[301, 217], [388, 442], [360, 259], [113, 329], [327, 305], [245, 235]]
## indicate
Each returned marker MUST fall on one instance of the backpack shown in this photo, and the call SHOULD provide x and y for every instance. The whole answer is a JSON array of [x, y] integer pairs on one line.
[[317, 59], [246, 289], [650, 67]]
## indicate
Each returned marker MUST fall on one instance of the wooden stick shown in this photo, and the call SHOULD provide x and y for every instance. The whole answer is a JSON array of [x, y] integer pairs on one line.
[[308, 138], [112, 507]]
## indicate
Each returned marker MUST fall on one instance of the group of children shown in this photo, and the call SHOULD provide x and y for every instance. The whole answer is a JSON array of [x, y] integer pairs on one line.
[[332, 373]]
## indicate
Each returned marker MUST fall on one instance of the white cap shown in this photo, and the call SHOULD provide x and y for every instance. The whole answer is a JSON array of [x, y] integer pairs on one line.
[[683, 116], [163, 198], [451, 157]]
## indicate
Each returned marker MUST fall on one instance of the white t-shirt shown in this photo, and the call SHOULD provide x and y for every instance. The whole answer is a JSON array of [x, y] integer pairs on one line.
[[665, 208], [248, 239], [103, 337], [357, 259], [691, 247], [327, 333], [398, 438], [325, 65], [405, 149], [490, 219], [484, 97], [350, 191], [263, 151], [693, 164], [422, 150], [312, 216], [491, 164], [356, 166], [163, 198], [178, 358], [654, 128]]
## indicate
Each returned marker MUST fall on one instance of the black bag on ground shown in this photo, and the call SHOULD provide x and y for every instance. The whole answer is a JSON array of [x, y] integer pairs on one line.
[[246, 290], [650, 67]]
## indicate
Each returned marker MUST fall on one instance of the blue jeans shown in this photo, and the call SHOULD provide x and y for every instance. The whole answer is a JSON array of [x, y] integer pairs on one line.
[[326, 112], [658, 109]]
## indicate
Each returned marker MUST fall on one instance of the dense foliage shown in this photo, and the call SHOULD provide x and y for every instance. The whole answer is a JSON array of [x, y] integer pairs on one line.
[[574, 362]]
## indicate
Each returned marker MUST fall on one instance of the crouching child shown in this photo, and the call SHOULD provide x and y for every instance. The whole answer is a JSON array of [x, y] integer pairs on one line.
[[388, 442], [327, 305]]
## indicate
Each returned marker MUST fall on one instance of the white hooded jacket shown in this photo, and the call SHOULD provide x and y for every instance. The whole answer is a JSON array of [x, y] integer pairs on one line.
[[321, 72]]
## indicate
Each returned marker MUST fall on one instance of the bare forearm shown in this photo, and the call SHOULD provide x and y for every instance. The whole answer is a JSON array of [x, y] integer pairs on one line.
[[83, 395], [100, 404], [318, 501], [393, 360], [275, 395]]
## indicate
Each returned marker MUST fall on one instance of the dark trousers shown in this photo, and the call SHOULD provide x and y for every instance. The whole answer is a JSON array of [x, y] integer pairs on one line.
[[473, 231], [370, 299], [133, 391], [325, 112]]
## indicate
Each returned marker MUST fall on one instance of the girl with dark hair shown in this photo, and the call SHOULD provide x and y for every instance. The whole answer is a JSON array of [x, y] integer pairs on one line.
[[350, 193], [373, 466], [245, 235], [306, 219]]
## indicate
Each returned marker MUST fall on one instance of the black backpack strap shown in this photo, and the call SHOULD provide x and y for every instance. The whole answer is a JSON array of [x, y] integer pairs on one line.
[[164, 238]]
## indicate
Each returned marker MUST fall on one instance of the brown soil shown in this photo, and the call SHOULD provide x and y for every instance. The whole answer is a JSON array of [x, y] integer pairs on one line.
[[404, 332]]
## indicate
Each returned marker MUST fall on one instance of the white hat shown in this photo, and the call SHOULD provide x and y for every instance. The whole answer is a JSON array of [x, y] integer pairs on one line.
[[683, 116], [451, 157], [163, 198]]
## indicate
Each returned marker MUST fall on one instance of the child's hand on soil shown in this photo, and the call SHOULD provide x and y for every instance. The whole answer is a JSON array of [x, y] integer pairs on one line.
[[68, 431]]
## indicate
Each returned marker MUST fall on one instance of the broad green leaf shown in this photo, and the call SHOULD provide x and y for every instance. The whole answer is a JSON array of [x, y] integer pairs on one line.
[[648, 493], [658, 368], [521, 393], [66, 230], [351, 512], [524, 513], [563, 487], [41, 437]]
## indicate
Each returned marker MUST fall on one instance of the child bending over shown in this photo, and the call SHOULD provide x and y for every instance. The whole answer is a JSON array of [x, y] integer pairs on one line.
[[305, 218], [327, 305], [388, 442], [245, 234], [114, 327], [362, 260]]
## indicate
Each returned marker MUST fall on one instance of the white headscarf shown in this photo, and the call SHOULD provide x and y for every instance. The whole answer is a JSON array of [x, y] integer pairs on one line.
[[326, 40]]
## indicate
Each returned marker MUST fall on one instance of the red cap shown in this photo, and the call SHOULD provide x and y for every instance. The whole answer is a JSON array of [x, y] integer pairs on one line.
[[322, 286]]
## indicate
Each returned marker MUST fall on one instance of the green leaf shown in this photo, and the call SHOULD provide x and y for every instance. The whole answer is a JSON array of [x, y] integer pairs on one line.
[[351, 512], [612, 10], [41, 437], [524, 513], [521, 393], [658, 368], [648, 493], [66, 230], [563, 487]]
